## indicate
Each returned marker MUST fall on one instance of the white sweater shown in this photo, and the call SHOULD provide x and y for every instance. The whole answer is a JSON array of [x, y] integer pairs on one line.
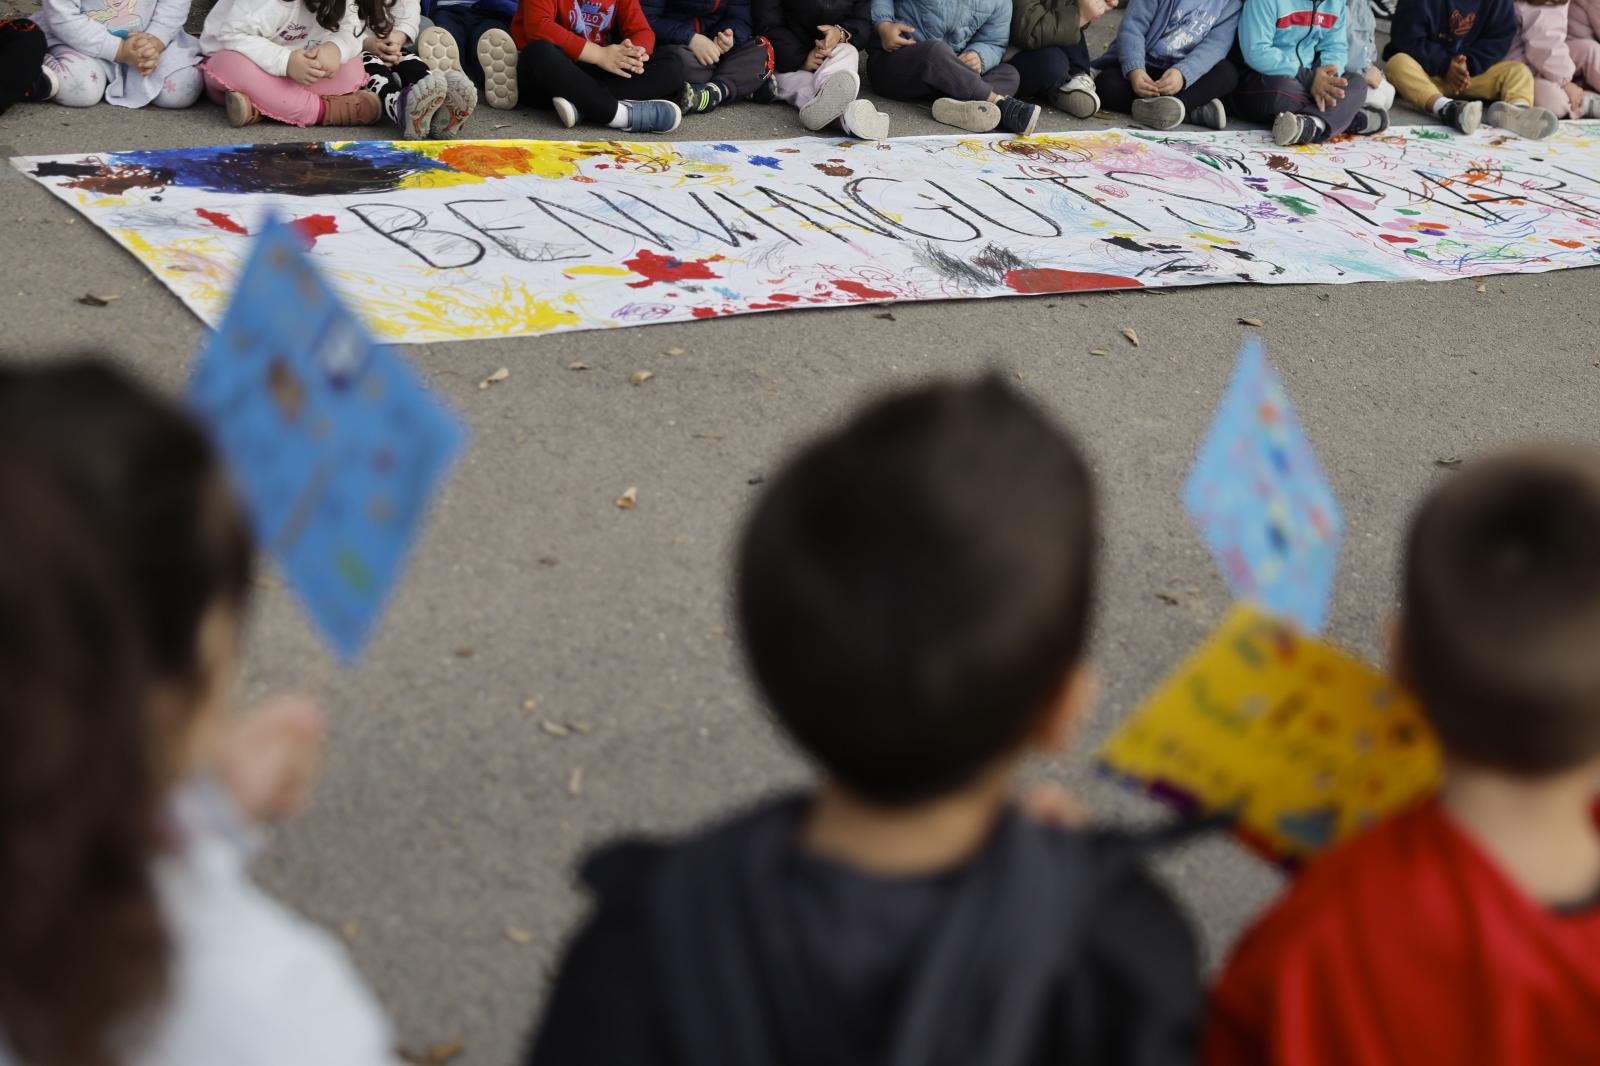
[[267, 31]]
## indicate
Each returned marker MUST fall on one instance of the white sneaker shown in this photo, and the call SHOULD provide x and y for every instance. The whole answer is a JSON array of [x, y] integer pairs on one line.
[[865, 122], [497, 55], [565, 111], [437, 48], [1077, 97], [833, 96], [1210, 114]]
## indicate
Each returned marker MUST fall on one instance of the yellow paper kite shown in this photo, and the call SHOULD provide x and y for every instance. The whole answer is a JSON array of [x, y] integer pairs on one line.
[[1306, 743]]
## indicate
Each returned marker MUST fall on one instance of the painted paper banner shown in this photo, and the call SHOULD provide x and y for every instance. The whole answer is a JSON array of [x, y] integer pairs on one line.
[[456, 240], [1306, 743], [1260, 499]]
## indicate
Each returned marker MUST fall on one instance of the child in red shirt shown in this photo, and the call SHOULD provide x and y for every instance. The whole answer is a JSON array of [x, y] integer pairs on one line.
[[1465, 930], [596, 59]]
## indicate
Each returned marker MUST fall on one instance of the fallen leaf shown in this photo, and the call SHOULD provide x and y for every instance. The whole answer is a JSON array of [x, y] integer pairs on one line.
[[530, 704], [555, 729], [463, 653], [350, 930], [1449, 463], [758, 479], [89, 299], [579, 366], [581, 727], [1133, 338], [628, 500], [887, 316], [674, 351], [1098, 351], [495, 378], [518, 936], [1251, 322], [548, 560], [639, 377], [575, 782], [500, 125], [1167, 598], [1483, 288], [1324, 297]]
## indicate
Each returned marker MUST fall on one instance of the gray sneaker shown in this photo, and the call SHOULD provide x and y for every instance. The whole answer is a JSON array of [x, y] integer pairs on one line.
[[974, 116], [1159, 112], [1534, 123], [1077, 97], [1211, 115]]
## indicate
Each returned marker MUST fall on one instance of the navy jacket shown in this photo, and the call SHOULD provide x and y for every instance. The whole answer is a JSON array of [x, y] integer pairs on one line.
[[676, 21], [790, 26], [1433, 32]]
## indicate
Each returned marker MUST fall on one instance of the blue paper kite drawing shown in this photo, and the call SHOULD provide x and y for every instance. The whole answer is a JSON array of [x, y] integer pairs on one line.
[[1261, 501], [333, 443]]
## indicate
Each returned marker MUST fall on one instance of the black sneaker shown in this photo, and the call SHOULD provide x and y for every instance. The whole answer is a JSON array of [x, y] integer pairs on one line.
[[1464, 115], [698, 99], [767, 91], [44, 87], [1017, 116], [1369, 121]]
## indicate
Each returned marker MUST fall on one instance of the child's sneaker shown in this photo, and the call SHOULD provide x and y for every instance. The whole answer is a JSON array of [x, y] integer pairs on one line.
[[437, 48], [241, 112], [1077, 97], [1534, 123], [1465, 115], [1591, 105], [1159, 112], [833, 96], [864, 121], [1369, 121], [1018, 116], [565, 112], [1290, 129], [699, 99], [351, 109], [497, 55], [767, 91], [48, 84], [417, 103], [1211, 115], [460, 101], [974, 116], [652, 116]]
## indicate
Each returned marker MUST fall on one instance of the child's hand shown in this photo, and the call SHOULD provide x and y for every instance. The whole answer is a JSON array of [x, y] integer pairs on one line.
[[832, 37], [1456, 79], [1089, 10], [724, 41], [1142, 84], [1374, 76], [620, 60], [303, 68], [267, 758], [1170, 83], [705, 50], [1327, 87], [1574, 97], [971, 60], [895, 35], [329, 58], [814, 59]]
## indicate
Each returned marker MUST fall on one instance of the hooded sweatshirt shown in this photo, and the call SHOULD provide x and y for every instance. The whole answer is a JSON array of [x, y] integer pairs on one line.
[[1435, 31], [1541, 41], [737, 947], [1281, 38], [1190, 36], [677, 21], [1583, 20]]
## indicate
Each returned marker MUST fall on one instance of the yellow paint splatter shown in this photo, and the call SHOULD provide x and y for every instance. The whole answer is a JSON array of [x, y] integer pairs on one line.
[[600, 271]]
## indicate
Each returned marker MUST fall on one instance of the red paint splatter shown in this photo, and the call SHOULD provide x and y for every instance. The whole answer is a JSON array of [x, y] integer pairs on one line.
[[1392, 239], [1046, 279], [1568, 244], [863, 292], [222, 221], [785, 297], [313, 226], [703, 312], [654, 267]]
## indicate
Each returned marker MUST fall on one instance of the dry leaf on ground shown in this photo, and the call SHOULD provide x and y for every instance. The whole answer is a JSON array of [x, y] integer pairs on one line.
[[555, 729], [581, 727], [495, 378], [463, 653], [1483, 288], [518, 935], [350, 930], [579, 366], [887, 316], [1098, 351], [1449, 463], [1251, 322], [628, 500], [575, 782], [674, 351], [89, 299], [1133, 338], [530, 704], [437, 1054], [639, 377]]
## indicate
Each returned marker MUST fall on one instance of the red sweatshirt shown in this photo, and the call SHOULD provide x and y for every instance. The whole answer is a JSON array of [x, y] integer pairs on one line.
[[571, 23], [1409, 947]]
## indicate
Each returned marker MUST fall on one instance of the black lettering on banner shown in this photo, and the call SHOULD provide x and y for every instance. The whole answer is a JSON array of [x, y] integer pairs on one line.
[[525, 250], [775, 229], [1246, 223], [433, 246], [843, 214], [1063, 181], [724, 232], [1055, 227], [550, 208], [852, 189]]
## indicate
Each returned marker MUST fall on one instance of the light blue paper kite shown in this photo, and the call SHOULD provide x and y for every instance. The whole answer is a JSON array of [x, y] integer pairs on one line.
[[1261, 501], [334, 444]]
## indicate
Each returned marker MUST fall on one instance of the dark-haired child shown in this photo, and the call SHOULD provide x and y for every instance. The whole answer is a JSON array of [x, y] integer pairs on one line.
[[914, 593], [296, 61], [1169, 62], [124, 52], [722, 57], [1295, 53], [130, 932], [817, 62], [953, 52], [1467, 929], [23, 75], [1447, 58], [419, 100], [597, 60]]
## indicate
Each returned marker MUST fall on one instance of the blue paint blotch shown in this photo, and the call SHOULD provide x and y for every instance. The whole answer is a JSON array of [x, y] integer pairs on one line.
[[765, 161], [724, 148], [284, 169]]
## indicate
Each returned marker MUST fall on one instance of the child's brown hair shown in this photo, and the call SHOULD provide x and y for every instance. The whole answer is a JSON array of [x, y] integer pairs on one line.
[[1501, 620]]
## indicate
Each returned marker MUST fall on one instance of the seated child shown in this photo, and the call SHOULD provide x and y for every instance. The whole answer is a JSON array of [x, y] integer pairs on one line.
[[914, 592], [1363, 59], [474, 38], [1541, 43], [1295, 54], [420, 101], [816, 64], [1466, 929], [1583, 41], [951, 50], [1169, 62], [296, 61], [130, 931], [597, 60], [128, 54], [23, 75], [1446, 57], [723, 59], [1052, 57]]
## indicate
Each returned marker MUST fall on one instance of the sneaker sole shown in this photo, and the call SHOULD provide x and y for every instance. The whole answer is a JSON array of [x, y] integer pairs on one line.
[[1286, 129], [833, 96], [1532, 123], [565, 112], [1078, 103], [1471, 117], [241, 112], [974, 116], [1160, 112], [497, 55], [461, 100], [437, 48], [864, 121], [421, 101]]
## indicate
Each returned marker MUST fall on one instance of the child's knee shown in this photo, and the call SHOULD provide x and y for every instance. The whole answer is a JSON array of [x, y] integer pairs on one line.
[[180, 89], [83, 80]]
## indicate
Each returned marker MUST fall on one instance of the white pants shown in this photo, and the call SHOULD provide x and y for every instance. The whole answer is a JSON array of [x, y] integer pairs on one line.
[[799, 87]]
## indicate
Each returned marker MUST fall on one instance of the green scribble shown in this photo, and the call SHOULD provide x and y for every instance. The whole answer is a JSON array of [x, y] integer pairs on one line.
[[1406, 211], [1429, 134], [1293, 203], [355, 574], [1208, 161]]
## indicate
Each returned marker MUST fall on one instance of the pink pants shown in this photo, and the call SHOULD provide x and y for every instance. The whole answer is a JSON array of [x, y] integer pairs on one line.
[[274, 96], [1553, 98], [799, 87], [1586, 53]]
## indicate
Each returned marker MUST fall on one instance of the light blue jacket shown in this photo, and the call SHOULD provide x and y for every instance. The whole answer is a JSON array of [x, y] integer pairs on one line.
[[1284, 37], [981, 26], [1363, 36], [1189, 36]]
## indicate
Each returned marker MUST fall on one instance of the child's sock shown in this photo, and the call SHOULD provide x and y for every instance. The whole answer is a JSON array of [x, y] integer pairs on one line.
[[619, 121], [1438, 106], [723, 87]]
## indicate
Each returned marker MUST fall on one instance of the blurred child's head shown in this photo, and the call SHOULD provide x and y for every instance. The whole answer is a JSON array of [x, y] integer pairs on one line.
[[123, 570], [1500, 631], [914, 588]]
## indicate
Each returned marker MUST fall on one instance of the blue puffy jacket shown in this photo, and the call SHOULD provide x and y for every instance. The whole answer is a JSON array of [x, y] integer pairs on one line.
[[980, 26], [1284, 37]]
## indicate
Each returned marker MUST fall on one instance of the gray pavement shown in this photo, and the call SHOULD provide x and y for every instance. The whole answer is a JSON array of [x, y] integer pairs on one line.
[[446, 816]]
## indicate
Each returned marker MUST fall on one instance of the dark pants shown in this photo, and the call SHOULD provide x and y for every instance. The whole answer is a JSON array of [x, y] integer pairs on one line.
[[1261, 98], [1046, 69], [386, 80], [21, 58], [466, 26], [1117, 95], [545, 71], [741, 70], [930, 68]]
